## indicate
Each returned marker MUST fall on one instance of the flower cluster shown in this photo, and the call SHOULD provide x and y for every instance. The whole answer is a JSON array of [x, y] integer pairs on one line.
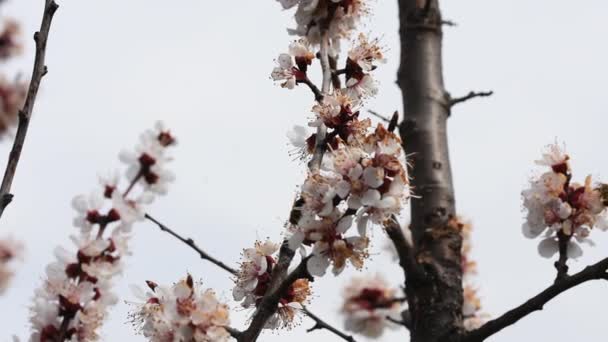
[[360, 85], [338, 17], [368, 301], [182, 312], [253, 280], [10, 250], [363, 176], [77, 292], [560, 208], [364, 179], [292, 66]]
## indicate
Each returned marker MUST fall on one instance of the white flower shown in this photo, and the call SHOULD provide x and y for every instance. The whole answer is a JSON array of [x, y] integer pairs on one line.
[[129, 211], [319, 192], [368, 301], [147, 163], [88, 209], [554, 156], [562, 209], [300, 49], [330, 247], [182, 312], [309, 12], [290, 305], [109, 183], [360, 89], [366, 53], [335, 110], [285, 71], [298, 136], [254, 270]]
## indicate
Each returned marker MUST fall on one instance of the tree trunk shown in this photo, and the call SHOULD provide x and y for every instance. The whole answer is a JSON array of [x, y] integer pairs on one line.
[[435, 302]]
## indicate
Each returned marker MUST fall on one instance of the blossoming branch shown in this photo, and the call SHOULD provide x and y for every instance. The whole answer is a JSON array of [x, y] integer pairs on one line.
[[75, 297]]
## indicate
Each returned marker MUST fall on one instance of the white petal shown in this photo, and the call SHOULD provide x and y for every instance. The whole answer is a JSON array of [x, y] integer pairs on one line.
[[290, 83], [79, 203], [343, 188], [344, 224], [263, 264], [370, 197], [317, 265], [354, 202], [297, 136], [362, 222], [285, 61], [574, 250], [355, 172], [547, 248], [373, 176], [531, 231], [287, 4], [295, 241], [238, 293]]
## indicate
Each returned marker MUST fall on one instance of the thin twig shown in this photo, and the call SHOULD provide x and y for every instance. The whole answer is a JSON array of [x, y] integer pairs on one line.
[[469, 96], [192, 244], [39, 70], [321, 324], [398, 322], [593, 272], [315, 90], [448, 23], [378, 115], [335, 73]]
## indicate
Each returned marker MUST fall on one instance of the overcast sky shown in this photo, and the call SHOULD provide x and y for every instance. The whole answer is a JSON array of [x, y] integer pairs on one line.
[[203, 67]]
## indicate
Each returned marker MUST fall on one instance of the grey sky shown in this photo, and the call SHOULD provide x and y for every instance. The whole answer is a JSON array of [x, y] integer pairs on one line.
[[203, 67]]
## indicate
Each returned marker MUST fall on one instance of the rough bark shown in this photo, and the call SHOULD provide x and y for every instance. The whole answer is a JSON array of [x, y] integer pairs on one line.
[[435, 301]]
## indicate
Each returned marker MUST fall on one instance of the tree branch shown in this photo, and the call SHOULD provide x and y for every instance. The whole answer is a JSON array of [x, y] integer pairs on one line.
[[436, 302], [285, 257], [233, 332], [404, 324], [39, 70], [192, 244], [321, 324], [469, 96], [593, 272], [315, 90], [269, 303], [405, 251], [561, 264], [320, 145], [335, 73]]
